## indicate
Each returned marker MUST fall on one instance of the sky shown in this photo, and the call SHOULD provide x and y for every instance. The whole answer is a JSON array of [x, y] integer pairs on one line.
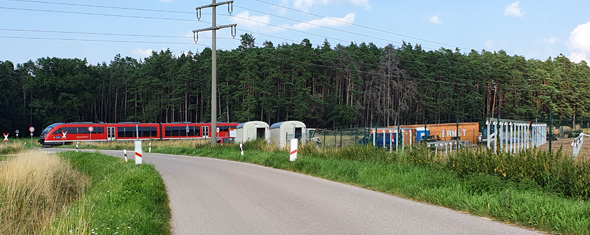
[[99, 30]]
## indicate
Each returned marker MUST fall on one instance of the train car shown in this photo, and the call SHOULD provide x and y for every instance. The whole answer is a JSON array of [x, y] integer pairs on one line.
[[62, 133], [196, 130]]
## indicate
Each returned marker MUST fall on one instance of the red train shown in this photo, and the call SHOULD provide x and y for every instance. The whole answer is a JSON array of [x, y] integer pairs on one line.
[[62, 133]]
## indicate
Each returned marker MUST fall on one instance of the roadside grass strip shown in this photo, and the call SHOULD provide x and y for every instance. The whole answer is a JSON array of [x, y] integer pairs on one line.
[[34, 188], [123, 198], [519, 201]]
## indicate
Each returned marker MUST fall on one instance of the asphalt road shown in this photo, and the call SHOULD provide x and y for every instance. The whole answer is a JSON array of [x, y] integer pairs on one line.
[[212, 196]]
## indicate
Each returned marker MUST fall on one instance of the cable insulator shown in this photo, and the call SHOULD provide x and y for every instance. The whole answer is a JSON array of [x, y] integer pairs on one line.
[[196, 36], [199, 14], [233, 30], [230, 8]]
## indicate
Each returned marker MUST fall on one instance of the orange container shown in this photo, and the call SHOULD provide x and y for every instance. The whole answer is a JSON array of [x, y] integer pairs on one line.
[[468, 131]]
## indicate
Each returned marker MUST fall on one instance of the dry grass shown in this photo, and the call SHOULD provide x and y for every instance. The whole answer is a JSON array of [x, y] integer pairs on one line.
[[566, 147], [11, 148], [34, 187], [129, 145]]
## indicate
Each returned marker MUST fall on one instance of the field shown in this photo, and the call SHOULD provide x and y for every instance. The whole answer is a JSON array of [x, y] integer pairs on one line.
[[566, 148]]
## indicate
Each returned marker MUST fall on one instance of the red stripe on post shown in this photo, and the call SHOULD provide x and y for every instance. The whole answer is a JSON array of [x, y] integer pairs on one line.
[[138, 154], [294, 151]]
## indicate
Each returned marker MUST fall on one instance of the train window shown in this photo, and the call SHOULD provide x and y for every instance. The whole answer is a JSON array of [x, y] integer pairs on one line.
[[98, 130], [194, 131], [70, 130], [121, 132], [148, 131], [153, 131], [126, 132], [175, 130]]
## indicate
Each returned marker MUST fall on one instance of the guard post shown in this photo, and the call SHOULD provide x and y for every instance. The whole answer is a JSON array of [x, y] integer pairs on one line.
[[138, 152]]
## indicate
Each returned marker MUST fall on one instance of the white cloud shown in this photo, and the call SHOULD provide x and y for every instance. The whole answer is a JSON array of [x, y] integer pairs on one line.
[[578, 57], [550, 40], [261, 23], [490, 45], [305, 5], [579, 43], [282, 10], [513, 9], [243, 19], [142, 52], [435, 19], [495, 45], [325, 22]]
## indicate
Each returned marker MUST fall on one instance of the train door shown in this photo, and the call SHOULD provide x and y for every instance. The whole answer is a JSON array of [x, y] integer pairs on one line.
[[110, 133], [205, 132]]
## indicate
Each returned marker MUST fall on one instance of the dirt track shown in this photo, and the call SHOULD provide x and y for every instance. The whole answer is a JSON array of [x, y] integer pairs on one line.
[[565, 145]]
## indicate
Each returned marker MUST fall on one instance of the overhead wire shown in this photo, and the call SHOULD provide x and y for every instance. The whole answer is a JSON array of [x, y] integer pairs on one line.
[[114, 15], [96, 40], [96, 14], [362, 26], [101, 34], [148, 42], [318, 25], [107, 7], [181, 12], [245, 8]]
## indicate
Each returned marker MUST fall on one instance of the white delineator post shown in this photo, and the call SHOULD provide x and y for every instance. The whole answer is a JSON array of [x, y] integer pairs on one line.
[[150, 148], [77, 146], [241, 150], [293, 150], [138, 152], [125, 153]]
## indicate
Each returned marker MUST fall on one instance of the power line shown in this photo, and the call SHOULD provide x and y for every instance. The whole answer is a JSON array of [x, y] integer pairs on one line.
[[276, 26], [107, 7], [180, 43], [317, 25], [96, 14], [98, 40], [362, 26], [113, 15], [101, 34]]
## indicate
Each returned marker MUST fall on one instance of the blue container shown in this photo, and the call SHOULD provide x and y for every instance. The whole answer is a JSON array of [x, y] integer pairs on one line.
[[421, 133]]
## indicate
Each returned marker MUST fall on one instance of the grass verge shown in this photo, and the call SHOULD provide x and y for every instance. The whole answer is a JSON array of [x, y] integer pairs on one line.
[[123, 199], [34, 189], [514, 200]]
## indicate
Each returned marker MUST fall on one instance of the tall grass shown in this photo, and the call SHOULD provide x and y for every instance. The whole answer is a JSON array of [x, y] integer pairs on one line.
[[34, 188], [555, 172], [123, 199], [11, 148]]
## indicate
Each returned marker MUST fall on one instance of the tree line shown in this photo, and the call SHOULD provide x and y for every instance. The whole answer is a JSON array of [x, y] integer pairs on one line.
[[323, 86]]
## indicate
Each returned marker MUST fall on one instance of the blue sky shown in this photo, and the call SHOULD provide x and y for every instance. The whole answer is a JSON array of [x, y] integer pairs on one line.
[[98, 30]]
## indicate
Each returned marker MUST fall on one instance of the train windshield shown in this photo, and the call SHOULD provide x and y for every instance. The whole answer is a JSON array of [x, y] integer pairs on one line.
[[48, 129]]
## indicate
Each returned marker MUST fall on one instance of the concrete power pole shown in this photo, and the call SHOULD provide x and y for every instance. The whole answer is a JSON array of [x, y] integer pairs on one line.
[[213, 30]]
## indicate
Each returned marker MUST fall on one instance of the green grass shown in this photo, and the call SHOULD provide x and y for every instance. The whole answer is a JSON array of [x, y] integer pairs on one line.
[[122, 199], [425, 178]]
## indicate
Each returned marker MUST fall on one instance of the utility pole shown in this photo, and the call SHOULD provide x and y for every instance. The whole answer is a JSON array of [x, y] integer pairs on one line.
[[213, 30]]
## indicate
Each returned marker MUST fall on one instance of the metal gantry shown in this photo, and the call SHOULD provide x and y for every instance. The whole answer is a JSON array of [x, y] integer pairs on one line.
[[513, 136]]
